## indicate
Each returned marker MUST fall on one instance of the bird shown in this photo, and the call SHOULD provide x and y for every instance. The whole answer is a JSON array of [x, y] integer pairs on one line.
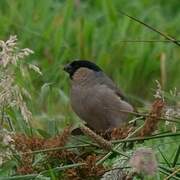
[[95, 98]]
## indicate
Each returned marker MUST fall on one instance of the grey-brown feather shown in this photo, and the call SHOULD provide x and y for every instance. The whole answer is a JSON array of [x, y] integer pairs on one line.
[[103, 79], [98, 101]]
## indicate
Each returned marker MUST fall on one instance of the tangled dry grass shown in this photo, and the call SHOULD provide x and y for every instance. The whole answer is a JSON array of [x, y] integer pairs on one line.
[[25, 146]]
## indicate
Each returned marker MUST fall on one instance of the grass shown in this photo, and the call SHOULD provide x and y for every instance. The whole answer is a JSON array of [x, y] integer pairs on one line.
[[59, 31]]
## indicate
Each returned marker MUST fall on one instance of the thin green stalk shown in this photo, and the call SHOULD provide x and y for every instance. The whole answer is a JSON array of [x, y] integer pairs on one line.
[[10, 124], [151, 28], [30, 176], [2, 117], [117, 147], [163, 156], [23, 177], [169, 170], [84, 141], [168, 131], [56, 149], [172, 174], [62, 168], [113, 149], [176, 119], [176, 156], [118, 152], [146, 41], [166, 173], [147, 138]]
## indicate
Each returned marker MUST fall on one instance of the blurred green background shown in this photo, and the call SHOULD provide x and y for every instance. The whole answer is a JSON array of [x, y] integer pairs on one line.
[[59, 31]]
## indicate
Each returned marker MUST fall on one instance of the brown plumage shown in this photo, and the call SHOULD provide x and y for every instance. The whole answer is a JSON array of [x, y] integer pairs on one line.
[[95, 98]]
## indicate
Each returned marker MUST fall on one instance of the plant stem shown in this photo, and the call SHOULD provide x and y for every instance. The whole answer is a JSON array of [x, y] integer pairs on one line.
[[21, 177], [116, 147], [172, 174], [168, 173], [56, 149], [176, 156], [176, 119], [151, 28], [62, 168], [146, 138], [30, 176]]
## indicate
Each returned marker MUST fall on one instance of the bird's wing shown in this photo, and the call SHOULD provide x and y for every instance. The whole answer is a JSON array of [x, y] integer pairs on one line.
[[105, 80], [105, 105]]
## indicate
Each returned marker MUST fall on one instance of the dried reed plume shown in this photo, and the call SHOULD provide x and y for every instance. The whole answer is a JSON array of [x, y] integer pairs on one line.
[[153, 118], [95, 137], [11, 93]]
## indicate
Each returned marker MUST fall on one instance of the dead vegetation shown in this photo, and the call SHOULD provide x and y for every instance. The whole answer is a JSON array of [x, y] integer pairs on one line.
[[26, 146]]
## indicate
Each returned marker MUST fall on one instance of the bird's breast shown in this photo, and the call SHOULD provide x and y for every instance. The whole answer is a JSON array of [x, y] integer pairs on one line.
[[78, 100]]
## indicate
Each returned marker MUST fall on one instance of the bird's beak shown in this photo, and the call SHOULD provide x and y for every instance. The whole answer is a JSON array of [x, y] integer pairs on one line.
[[67, 68]]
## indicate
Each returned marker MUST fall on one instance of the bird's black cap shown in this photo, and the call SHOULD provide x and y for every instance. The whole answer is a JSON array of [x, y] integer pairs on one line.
[[72, 67]]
